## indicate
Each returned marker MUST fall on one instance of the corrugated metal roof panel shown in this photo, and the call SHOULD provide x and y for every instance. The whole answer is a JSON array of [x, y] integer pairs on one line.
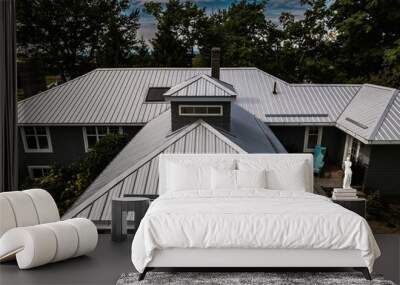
[[202, 86], [144, 178], [364, 115], [135, 169], [117, 96], [390, 128]]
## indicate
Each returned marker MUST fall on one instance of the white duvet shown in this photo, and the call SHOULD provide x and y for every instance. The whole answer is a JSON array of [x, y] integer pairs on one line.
[[250, 219]]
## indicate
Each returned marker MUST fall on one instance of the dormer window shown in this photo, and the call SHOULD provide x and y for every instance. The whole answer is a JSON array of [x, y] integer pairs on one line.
[[200, 110], [201, 97]]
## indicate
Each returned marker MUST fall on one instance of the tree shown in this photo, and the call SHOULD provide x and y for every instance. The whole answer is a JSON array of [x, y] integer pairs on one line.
[[367, 46], [73, 37], [243, 33], [304, 54], [177, 31]]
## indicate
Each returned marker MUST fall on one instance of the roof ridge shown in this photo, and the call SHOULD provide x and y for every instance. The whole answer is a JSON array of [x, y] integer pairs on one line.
[[388, 106], [273, 76], [57, 86], [221, 136], [184, 84], [347, 105], [323, 84], [173, 68], [379, 86], [107, 187], [220, 85]]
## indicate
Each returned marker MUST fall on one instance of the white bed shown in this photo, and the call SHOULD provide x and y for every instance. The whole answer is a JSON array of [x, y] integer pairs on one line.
[[250, 227]]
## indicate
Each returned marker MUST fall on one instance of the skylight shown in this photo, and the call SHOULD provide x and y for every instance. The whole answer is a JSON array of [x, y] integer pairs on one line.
[[155, 94]]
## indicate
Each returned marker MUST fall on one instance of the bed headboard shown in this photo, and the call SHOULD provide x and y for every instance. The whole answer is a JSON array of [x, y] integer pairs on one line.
[[164, 159]]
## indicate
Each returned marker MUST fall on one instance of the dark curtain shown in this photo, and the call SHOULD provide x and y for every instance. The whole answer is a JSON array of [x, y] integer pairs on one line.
[[8, 112]]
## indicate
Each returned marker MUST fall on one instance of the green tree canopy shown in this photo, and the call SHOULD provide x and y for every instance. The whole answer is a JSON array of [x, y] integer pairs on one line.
[[368, 37], [242, 31], [178, 30], [73, 37]]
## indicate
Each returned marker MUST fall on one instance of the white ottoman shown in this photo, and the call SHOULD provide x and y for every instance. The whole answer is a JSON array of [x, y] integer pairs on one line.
[[31, 231], [37, 245]]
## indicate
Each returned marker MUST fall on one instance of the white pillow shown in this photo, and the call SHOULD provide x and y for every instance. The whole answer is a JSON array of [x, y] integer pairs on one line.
[[223, 179], [183, 178], [282, 174], [175, 168], [251, 178]]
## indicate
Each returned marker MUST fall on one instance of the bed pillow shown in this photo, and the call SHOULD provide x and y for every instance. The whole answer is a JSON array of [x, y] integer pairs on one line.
[[288, 175], [223, 179], [176, 168], [183, 178], [251, 179]]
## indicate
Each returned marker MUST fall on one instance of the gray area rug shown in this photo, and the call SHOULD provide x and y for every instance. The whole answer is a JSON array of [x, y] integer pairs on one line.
[[244, 278]]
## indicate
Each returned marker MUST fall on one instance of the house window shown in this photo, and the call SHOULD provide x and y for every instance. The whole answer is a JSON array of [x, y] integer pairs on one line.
[[200, 110], [91, 135], [352, 148], [36, 139], [313, 136], [156, 94], [37, 171]]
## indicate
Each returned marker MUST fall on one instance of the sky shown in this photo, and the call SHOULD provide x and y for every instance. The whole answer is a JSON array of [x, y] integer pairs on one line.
[[273, 11]]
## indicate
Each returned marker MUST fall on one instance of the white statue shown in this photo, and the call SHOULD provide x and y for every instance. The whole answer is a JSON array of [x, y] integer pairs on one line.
[[347, 174]]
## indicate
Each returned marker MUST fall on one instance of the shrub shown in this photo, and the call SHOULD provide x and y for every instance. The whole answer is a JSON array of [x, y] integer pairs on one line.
[[67, 183]]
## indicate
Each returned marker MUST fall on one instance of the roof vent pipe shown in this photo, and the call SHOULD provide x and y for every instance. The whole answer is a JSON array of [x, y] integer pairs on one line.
[[274, 91], [215, 62]]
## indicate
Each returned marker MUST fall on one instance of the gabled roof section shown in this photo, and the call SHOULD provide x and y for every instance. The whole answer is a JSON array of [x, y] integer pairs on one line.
[[390, 128], [366, 113], [202, 86], [135, 169]]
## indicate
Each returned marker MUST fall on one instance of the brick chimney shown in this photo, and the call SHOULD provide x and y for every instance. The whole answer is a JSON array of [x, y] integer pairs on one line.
[[215, 61]]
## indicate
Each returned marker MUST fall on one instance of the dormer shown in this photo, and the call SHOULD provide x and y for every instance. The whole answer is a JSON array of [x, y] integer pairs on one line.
[[201, 97]]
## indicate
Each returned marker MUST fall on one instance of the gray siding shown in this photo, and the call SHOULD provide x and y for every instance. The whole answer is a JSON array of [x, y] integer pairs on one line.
[[292, 139], [383, 172], [223, 121], [67, 143]]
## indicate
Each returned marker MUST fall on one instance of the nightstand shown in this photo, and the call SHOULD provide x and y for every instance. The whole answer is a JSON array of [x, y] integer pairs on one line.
[[119, 210], [358, 206]]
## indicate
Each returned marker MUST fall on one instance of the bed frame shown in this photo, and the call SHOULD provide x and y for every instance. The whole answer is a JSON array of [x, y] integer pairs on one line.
[[246, 258], [242, 259]]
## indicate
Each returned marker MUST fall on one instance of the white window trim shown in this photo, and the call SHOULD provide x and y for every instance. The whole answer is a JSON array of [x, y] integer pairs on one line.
[[195, 115], [319, 139], [32, 167], [29, 150], [348, 145], [85, 141]]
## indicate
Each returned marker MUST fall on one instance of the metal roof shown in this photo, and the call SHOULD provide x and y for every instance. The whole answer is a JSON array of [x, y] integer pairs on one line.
[[117, 96], [390, 128], [364, 116], [202, 86], [135, 169]]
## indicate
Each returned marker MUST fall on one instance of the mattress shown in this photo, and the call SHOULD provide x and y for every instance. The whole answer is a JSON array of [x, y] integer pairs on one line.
[[250, 219]]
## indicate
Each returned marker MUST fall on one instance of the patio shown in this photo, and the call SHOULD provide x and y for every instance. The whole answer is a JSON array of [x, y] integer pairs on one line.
[[110, 260]]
